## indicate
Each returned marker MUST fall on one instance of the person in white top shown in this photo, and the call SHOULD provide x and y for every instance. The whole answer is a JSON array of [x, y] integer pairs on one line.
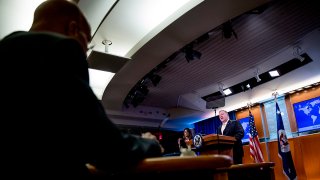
[[232, 128], [186, 140]]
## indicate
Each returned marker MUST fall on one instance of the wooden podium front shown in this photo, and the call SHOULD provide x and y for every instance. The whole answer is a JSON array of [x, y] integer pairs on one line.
[[217, 144]]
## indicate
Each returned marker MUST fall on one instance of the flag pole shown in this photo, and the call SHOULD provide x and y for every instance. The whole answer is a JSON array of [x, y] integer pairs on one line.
[[284, 146], [249, 104], [275, 94], [265, 133], [249, 108]]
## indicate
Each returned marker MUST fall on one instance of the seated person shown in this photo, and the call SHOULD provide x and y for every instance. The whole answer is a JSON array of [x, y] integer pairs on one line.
[[186, 140]]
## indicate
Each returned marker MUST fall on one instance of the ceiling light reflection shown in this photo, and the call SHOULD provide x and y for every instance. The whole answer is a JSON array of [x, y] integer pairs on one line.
[[99, 81]]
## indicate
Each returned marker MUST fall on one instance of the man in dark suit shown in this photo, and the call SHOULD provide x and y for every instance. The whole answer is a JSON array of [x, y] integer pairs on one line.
[[53, 124], [235, 129]]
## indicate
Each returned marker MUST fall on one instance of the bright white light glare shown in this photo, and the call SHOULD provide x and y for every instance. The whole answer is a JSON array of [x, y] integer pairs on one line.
[[274, 73], [16, 15], [99, 81], [147, 18], [227, 91], [157, 11]]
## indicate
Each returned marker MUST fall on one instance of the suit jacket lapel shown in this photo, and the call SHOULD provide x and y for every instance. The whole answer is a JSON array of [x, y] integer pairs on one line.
[[226, 130]]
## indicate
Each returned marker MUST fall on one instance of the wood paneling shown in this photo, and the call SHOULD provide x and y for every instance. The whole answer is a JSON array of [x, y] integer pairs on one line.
[[304, 149], [273, 150], [310, 148], [247, 159], [264, 116], [305, 94], [305, 155]]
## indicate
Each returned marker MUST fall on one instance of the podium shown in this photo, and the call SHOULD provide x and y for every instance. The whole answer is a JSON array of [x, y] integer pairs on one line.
[[217, 144]]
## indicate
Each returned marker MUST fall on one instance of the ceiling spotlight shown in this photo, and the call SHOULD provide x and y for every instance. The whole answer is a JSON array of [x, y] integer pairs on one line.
[[228, 31], [155, 79], [191, 54], [142, 89], [248, 85], [137, 99], [224, 92], [242, 87], [220, 86], [106, 43], [297, 51], [256, 74], [258, 78]]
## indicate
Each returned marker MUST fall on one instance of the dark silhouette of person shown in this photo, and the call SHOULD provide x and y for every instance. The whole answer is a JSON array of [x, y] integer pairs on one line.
[[55, 125]]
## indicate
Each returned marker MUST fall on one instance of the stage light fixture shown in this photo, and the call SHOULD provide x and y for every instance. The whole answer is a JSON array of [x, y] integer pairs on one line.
[[224, 92], [138, 95], [258, 78], [137, 100], [155, 79], [143, 89], [297, 51], [191, 54], [220, 87], [106, 43], [228, 31], [256, 75]]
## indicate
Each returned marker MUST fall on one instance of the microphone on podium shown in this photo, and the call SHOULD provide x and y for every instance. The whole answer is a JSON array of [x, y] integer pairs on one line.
[[217, 128]]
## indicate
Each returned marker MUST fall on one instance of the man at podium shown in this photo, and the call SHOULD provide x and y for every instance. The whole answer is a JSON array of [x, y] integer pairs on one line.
[[235, 129]]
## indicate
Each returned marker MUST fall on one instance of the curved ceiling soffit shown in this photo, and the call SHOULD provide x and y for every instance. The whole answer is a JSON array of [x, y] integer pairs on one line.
[[168, 41]]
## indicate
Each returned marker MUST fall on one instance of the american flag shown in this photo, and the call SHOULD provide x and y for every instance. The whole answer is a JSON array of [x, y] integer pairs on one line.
[[255, 148]]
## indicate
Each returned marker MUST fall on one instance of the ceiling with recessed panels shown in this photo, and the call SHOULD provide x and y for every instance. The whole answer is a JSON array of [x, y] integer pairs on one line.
[[147, 33], [263, 42]]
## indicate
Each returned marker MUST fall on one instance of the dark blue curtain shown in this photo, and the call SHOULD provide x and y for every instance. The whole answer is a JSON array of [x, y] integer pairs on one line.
[[210, 125], [232, 115]]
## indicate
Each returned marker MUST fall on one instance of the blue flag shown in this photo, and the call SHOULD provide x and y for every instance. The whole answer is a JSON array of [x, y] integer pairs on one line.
[[284, 148]]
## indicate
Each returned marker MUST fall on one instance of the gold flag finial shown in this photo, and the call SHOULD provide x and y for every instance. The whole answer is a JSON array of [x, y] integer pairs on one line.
[[249, 104]]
